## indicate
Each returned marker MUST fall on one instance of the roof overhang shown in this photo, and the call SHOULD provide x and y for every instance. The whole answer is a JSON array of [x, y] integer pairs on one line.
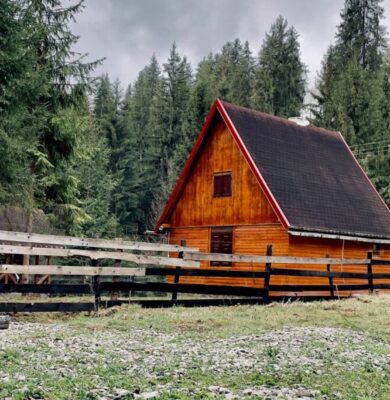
[[325, 235], [217, 107]]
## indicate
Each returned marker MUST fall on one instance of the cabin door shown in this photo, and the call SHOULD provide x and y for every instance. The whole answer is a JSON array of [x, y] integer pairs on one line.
[[221, 241]]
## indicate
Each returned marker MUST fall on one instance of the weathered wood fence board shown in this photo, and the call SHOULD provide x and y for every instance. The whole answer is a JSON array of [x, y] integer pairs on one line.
[[34, 238], [70, 270], [98, 255], [198, 256]]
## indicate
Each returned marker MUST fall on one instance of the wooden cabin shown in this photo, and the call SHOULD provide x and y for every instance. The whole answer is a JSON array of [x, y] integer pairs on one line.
[[253, 179]]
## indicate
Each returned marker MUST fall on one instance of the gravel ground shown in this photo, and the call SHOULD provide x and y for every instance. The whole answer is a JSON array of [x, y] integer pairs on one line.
[[36, 359]]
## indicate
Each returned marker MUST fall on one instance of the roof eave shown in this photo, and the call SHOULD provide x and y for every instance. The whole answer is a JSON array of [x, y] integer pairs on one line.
[[301, 232]]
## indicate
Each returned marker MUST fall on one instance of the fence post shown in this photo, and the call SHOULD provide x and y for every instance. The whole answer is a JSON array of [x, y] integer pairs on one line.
[[96, 287], [177, 271], [268, 271], [114, 294], [330, 277], [369, 272]]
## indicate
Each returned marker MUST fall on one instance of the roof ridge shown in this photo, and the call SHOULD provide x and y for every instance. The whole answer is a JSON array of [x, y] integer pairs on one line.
[[281, 119]]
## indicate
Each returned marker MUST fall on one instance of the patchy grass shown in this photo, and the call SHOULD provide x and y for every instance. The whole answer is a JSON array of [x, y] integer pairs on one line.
[[320, 350]]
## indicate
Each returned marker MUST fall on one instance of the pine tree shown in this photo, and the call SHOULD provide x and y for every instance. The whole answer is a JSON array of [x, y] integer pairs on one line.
[[174, 96], [51, 83], [128, 193], [139, 148], [96, 184], [352, 88], [17, 83], [360, 35], [376, 159], [349, 88], [233, 69], [166, 123], [203, 93], [106, 114], [280, 75]]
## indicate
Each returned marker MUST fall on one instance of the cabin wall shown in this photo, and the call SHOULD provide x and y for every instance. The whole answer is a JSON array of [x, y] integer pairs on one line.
[[198, 207], [253, 239]]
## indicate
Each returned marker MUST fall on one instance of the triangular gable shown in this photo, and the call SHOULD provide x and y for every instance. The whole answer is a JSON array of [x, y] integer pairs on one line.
[[219, 108]]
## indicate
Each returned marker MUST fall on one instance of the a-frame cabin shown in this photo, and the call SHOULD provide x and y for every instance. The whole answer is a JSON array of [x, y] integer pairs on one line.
[[253, 179]]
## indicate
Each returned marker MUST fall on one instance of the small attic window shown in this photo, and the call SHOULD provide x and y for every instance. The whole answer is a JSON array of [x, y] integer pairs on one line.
[[222, 184]]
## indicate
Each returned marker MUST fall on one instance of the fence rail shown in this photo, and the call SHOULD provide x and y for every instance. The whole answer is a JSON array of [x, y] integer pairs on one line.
[[54, 240], [261, 286], [272, 259], [97, 255], [65, 270]]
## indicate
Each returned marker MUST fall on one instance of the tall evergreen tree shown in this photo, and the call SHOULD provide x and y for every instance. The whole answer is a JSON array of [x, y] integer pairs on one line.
[[18, 83], [106, 113], [53, 81], [202, 95], [352, 85], [349, 88], [140, 152], [280, 79], [176, 85], [95, 183], [360, 35], [233, 69], [166, 122]]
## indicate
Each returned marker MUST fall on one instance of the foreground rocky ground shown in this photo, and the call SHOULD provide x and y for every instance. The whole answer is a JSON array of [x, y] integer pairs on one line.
[[280, 352]]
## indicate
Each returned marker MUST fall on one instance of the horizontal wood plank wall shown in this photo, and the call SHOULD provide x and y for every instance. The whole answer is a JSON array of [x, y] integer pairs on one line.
[[198, 237], [254, 239], [246, 240], [198, 207], [315, 247]]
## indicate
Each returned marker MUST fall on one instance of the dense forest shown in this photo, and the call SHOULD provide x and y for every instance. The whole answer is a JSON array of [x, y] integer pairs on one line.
[[100, 161]]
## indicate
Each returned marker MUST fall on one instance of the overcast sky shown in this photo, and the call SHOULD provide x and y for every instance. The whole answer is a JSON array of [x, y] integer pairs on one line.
[[128, 32]]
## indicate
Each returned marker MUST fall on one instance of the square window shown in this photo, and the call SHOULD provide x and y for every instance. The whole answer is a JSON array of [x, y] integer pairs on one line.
[[222, 184]]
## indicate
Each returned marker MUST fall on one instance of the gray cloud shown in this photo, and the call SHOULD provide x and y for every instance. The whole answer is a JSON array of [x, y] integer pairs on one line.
[[128, 32]]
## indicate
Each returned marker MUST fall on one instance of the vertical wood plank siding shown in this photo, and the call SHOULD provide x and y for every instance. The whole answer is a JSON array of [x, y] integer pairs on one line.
[[198, 207]]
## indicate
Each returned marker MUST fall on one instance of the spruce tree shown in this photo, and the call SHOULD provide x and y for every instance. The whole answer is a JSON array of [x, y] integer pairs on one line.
[[174, 96], [128, 193], [203, 93], [106, 114], [17, 84], [280, 78], [140, 151], [51, 82], [96, 184], [352, 87], [233, 69], [360, 35], [349, 88], [166, 123]]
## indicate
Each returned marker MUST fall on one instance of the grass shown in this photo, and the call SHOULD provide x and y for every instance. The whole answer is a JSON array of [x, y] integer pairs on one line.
[[140, 350]]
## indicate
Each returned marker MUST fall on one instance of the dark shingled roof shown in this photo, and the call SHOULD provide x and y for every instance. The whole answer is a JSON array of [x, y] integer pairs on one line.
[[312, 175]]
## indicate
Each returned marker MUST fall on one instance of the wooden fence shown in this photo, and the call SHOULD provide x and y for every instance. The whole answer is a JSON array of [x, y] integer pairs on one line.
[[156, 264]]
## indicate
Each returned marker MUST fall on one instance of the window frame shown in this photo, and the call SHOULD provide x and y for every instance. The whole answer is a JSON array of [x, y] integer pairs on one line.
[[229, 193]]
